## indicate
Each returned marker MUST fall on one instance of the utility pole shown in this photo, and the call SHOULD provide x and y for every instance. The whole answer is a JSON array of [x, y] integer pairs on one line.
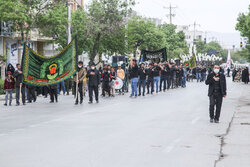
[[194, 37], [170, 15], [69, 3]]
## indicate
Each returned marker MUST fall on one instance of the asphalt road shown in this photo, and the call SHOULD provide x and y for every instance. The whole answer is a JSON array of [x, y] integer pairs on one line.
[[168, 129]]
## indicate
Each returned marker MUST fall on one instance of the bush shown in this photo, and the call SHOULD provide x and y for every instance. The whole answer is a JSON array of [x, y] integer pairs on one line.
[[1, 87]]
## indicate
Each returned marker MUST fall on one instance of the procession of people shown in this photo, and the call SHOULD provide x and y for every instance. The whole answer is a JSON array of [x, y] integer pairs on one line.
[[145, 78]]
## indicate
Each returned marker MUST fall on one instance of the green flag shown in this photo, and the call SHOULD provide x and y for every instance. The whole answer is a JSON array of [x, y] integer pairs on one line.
[[192, 61], [40, 70]]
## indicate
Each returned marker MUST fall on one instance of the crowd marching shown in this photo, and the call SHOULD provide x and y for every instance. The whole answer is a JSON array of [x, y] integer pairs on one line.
[[145, 78]]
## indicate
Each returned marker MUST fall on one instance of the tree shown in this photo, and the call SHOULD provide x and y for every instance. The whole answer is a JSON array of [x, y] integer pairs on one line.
[[106, 18], [243, 25], [23, 14], [143, 34], [175, 41]]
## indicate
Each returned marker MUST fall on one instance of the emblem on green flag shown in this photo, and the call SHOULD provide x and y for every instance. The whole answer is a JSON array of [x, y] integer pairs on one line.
[[41, 70]]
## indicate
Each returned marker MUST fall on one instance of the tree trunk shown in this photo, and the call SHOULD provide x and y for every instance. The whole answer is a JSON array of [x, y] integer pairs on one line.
[[95, 48]]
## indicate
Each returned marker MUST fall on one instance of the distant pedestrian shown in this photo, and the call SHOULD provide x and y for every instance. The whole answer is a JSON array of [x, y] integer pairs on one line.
[[133, 72], [9, 86], [217, 90]]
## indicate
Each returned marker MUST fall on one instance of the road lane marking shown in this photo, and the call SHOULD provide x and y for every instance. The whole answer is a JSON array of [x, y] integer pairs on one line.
[[172, 145], [195, 120]]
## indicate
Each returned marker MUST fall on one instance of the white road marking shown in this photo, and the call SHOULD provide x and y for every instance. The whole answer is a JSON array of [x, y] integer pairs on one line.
[[172, 145], [195, 120]]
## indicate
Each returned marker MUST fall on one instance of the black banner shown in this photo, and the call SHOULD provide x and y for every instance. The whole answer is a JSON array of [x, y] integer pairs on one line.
[[158, 55]]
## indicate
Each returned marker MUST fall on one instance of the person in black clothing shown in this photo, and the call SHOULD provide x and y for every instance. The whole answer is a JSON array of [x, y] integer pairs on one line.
[[181, 75], [168, 67], [106, 78], [53, 93], [142, 79], [10, 68], [172, 76], [234, 74], [245, 76], [133, 73], [94, 81], [216, 91], [31, 94], [228, 72], [150, 80], [163, 78], [156, 71], [18, 74], [177, 80]]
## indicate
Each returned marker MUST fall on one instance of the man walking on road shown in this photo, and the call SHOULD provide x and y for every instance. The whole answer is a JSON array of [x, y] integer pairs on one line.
[[94, 81], [216, 91]]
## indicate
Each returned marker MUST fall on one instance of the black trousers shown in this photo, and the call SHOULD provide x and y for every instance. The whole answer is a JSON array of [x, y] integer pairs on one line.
[[18, 94], [142, 83], [172, 82], [31, 94], [163, 80], [91, 89], [53, 94], [80, 85], [168, 82], [150, 81], [215, 100], [105, 88]]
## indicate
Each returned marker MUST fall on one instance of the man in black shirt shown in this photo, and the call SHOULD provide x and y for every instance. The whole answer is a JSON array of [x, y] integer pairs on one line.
[[163, 78], [217, 90], [133, 73], [94, 81], [156, 72], [18, 74], [150, 78], [142, 79]]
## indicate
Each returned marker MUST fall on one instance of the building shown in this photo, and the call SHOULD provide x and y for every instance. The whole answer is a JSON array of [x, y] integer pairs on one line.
[[76, 4], [190, 34], [11, 46], [156, 21]]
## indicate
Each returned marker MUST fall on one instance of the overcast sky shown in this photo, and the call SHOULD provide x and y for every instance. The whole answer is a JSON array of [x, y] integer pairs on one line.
[[212, 15]]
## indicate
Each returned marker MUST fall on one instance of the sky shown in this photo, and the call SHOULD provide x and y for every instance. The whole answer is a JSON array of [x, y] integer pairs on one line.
[[218, 16], [212, 15]]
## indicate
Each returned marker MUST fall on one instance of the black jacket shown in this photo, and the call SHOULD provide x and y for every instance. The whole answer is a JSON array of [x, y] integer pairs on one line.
[[211, 82], [94, 80], [142, 74], [133, 71], [19, 78], [150, 73], [157, 70]]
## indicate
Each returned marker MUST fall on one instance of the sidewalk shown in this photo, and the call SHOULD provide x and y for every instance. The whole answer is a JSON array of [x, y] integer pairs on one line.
[[235, 145]]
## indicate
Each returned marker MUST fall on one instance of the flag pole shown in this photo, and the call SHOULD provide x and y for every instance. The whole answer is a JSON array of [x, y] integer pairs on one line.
[[77, 82]]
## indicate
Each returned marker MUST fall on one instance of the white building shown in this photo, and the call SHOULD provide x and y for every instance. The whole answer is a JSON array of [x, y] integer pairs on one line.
[[190, 33]]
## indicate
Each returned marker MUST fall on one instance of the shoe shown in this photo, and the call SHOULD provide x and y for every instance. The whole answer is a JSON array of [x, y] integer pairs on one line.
[[51, 102], [130, 96], [135, 96], [139, 94], [76, 103], [216, 121], [143, 94], [211, 120], [148, 93], [34, 100], [81, 102], [24, 104], [10, 104], [29, 101], [97, 101], [17, 104], [90, 102], [5, 104]]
